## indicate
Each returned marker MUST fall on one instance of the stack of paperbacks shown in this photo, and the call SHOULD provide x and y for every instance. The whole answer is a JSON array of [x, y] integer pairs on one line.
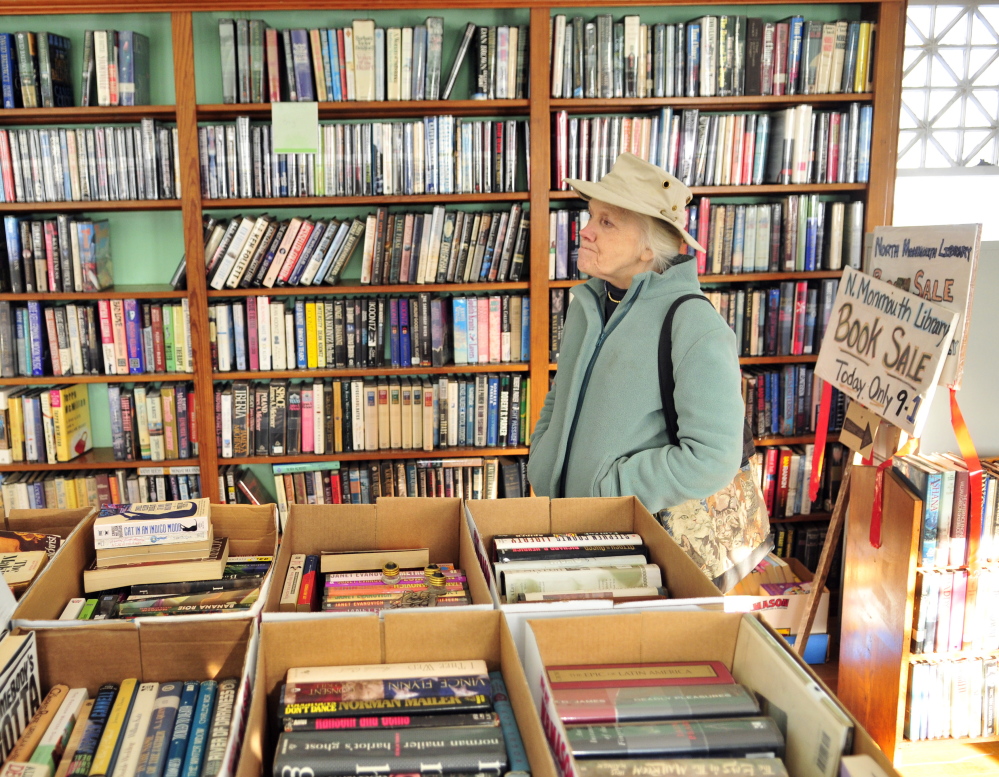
[[349, 720], [23, 555], [679, 718], [163, 558], [593, 565]]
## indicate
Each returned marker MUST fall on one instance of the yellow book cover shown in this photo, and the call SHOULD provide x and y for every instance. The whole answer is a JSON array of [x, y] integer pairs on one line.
[[114, 728], [71, 421], [15, 425], [863, 52], [321, 334], [311, 345]]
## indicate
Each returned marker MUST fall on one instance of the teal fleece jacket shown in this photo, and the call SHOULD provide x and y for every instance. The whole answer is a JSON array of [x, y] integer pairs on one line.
[[602, 431]]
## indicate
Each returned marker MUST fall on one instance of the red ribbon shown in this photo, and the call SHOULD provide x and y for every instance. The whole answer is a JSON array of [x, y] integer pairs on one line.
[[974, 466], [821, 428], [879, 483]]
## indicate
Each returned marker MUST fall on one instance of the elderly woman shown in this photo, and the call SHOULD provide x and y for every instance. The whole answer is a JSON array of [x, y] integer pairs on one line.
[[602, 430]]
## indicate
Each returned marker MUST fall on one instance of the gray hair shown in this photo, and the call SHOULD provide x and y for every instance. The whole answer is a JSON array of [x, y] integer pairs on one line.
[[662, 240]]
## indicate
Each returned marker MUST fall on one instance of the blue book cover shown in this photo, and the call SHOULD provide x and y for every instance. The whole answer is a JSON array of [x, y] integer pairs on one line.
[[459, 308], [335, 62], [405, 346], [12, 230], [436, 414], [239, 334], [492, 410], [864, 144], [511, 732], [126, 68], [324, 45], [811, 232], [133, 337], [331, 252], [738, 238], [301, 358], [307, 250], [794, 41], [773, 401], [155, 747], [470, 413], [789, 395], [525, 329], [462, 413], [8, 72], [282, 164], [36, 328], [198, 736], [928, 485], [693, 60], [302, 62], [20, 338], [762, 143], [394, 342]]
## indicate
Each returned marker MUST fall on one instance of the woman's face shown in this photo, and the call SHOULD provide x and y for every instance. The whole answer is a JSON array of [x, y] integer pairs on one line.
[[611, 245]]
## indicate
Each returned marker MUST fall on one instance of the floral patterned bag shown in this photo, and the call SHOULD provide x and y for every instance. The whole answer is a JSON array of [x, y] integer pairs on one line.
[[727, 533]]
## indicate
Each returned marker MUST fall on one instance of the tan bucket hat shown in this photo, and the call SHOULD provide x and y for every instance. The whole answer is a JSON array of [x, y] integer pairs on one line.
[[634, 184]]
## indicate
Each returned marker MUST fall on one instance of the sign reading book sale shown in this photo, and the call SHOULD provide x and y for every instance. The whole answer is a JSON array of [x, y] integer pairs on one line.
[[885, 348]]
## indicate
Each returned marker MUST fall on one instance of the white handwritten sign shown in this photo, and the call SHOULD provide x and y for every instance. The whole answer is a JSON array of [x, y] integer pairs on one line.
[[938, 264], [885, 348]]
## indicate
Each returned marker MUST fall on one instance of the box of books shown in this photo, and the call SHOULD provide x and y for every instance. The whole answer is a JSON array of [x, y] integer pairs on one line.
[[332, 558], [123, 699], [552, 531], [780, 598], [649, 692], [30, 539], [192, 560], [361, 695]]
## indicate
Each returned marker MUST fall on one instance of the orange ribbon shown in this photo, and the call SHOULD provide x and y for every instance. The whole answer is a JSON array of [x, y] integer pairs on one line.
[[821, 429], [974, 466]]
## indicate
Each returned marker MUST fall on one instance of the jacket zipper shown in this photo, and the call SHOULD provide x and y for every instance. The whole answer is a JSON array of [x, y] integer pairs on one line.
[[604, 334]]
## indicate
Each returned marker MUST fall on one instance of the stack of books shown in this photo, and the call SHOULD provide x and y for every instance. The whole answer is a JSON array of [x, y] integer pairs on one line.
[[23, 555], [772, 572], [44, 425], [659, 715], [115, 732], [36, 70], [163, 558], [58, 254], [452, 714], [592, 565]]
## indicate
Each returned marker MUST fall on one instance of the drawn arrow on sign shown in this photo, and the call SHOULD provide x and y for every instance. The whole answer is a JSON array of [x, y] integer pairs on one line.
[[865, 434]]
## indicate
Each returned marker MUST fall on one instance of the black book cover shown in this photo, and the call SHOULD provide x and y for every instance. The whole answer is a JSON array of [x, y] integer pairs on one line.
[[395, 262], [277, 406], [384, 250], [293, 421], [262, 429], [347, 423], [339, 334]]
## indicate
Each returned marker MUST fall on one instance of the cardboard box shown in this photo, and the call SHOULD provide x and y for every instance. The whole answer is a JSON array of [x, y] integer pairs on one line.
[[813, 721], [401, 636], [687, 585], [392, 523], [60, 522], [785, 611], [252, 530], [155, 650]]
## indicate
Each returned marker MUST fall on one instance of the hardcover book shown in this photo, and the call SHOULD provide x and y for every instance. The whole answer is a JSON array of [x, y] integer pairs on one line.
[[615, 705], [634, 675]]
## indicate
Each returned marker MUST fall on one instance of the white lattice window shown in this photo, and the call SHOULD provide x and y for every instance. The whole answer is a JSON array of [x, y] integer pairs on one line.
[[950, 90]]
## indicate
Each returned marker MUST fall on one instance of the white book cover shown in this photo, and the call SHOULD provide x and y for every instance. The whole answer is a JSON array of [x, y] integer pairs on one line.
[[130, 747], [406, 82], [228, 261], [290, 356], [278, 350], [393, 63], [264, 333]]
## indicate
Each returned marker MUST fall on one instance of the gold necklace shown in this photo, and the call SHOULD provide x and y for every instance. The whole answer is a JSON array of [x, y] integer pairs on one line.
[[615, 301]]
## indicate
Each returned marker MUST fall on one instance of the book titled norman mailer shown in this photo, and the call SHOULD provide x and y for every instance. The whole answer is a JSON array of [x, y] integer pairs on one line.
[[152, 523]]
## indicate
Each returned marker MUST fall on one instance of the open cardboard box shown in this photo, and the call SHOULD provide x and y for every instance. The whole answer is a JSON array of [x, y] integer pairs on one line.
[[813, 721], [252, 531], [399, 636], [688, 587], [394, 523], [160, 650], [784, 611], [48, 521]]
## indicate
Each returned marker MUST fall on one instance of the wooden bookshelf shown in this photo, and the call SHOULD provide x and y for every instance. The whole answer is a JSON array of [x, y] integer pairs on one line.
[[185, 110]]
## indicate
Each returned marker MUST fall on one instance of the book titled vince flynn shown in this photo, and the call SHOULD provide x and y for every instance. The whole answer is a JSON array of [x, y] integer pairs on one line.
[[149, 523]]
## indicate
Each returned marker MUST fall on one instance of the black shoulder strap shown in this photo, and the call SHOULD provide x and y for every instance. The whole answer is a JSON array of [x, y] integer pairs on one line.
[[667, 385]]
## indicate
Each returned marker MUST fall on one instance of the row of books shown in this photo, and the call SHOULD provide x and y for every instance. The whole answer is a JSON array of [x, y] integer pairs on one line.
[[785, 319], [781, 401], [153, 423], [710, 56], [364, 62], [362, 482], [240, 485], [135, 162], [946, 616], [111, 337], [786, 471], [35, 70], [56, 255], [433, 155], [264, 334], [951, 698], [44, 425], [799, 233], [116, 729], [793, 145], [803, 541], [92, 488], [25, 555], [455, 715], [365, 414]]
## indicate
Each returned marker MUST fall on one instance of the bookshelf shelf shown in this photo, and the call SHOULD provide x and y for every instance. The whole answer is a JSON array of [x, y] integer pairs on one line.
[[745, 103], [90, 206], [141, 291], [399, 288], [438, 453], [364, 200], [195, 93], [370, 372], [374, 110], [747, 360], [766, 277], [91, 115], [98, 458], [565, 284], [151, 377], [799, 440]]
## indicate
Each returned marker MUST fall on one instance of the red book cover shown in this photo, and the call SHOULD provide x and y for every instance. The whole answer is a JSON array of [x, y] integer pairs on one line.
[[251, 332], [296, 251], [334, 480], [50, 326], [748, 153], [957, 602], [561, 150], [574, 676], [770, 478], [192, 419], [832, 157], [703, 225], [273, 66], [783, 480], [343, 62], [159, 347], [959, 518], [307, 593], [798, 322], [51, 260], [783, 32]]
